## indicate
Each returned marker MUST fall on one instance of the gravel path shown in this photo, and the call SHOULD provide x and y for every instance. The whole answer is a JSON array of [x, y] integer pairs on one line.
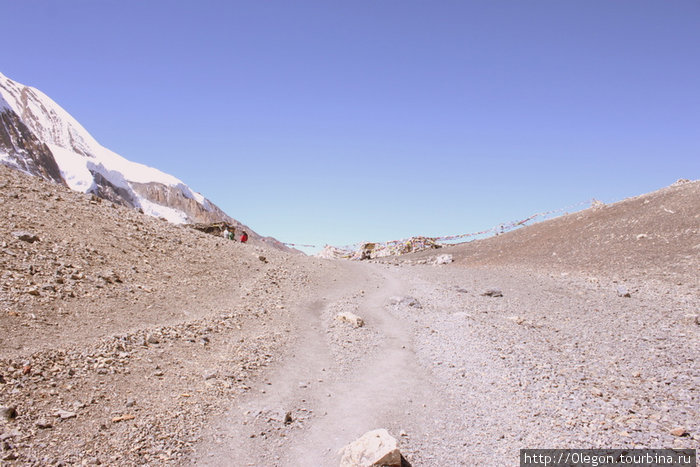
[[469, 379]]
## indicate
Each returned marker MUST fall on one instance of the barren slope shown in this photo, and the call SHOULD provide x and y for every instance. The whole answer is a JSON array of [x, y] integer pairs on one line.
[[108, 313], [657, 234]]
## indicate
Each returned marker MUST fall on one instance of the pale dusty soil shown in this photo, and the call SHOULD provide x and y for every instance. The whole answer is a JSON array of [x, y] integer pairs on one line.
[[165, 346]]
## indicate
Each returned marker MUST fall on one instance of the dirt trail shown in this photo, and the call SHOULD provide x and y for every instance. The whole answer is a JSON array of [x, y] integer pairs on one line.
[[378, 388], [334, 394]]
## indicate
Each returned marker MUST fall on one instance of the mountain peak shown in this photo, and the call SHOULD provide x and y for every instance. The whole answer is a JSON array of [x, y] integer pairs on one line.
[[39, 137]]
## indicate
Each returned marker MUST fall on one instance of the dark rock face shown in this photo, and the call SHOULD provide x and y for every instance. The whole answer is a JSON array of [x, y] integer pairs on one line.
[[176, 197], [26, 152], [107, 190]]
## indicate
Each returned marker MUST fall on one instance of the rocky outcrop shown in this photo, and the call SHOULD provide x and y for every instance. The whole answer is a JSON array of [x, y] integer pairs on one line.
[[179, 197], [23, 150], [105, 189]]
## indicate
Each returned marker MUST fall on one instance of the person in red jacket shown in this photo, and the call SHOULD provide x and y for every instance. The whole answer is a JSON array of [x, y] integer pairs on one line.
[[244, 237]]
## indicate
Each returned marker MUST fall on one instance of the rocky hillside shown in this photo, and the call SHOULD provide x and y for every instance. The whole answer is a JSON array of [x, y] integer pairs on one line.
[[119, 330], [40, 138]]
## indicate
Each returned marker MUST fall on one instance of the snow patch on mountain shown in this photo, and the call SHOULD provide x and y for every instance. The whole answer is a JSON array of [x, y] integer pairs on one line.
[[156, 210], [73, 168]]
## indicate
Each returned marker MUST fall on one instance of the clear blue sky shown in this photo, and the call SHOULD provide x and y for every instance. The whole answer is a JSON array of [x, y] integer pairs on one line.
[[337, 121]]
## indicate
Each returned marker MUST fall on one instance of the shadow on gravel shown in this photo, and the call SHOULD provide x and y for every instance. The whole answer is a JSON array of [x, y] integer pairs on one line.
[[404, 462]]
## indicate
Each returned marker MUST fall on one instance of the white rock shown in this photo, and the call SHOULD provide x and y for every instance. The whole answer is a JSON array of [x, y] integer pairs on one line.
[[374, 448], [443, 259], [351, 318]]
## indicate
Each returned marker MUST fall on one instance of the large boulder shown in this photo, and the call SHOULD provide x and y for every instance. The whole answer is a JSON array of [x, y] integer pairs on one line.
[[373, 449]]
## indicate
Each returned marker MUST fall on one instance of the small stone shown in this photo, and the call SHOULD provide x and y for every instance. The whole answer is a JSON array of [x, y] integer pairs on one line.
[[623, 292], [351, 318], [209, 374], [10, 435], [493, 293], [407, 300], [122, 418], [443, 259], [43, 424], [151, 339], [25, 236], [680, 431], [77, 405], [596, 392], [64, 414], [130, 402], [262, 258], [8, 413], [288, 418]]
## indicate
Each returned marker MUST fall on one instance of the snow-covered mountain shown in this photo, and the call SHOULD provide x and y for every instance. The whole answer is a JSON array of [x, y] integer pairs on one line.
[[40, 138]]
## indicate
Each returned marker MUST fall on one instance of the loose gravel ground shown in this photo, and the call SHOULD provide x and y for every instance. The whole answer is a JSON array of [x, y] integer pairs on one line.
[[458, 376]]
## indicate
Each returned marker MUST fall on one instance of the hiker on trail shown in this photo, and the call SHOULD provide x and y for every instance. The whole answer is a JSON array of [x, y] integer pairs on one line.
[[226, 232], [244, 237], [231, 234]]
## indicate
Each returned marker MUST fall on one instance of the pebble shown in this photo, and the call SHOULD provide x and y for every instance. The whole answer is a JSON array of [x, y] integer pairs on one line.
[[25, 236], [492, 293], [680, 431], [43, 424], [151, 339], [64, 414], [8, 413]]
